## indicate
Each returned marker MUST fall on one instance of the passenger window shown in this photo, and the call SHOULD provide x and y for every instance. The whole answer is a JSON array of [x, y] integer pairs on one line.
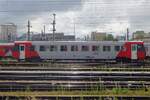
[[85, 48], [140, 47], [106, 48], [63, 48], [53, 48], [123, 48], [117, 48], [134, 47], [21, 48], [16, 48], [74, 48], [32, 48], [95, 48], [42, 48]]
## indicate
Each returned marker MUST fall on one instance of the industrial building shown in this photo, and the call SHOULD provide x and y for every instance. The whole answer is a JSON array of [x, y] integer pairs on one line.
[[49, 37], [8, 32], [98, 36]]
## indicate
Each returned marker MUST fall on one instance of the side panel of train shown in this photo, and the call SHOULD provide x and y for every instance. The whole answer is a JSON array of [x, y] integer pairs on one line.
[[76, 50], [42, 50]]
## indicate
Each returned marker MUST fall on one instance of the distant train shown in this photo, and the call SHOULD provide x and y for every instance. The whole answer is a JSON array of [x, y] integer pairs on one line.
[[75, 50]]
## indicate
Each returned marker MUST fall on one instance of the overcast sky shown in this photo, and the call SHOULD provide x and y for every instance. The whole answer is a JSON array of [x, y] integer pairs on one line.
[[112, 16]]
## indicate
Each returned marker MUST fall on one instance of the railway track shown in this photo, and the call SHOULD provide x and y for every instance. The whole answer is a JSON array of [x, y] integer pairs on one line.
[[95, 98], [68, 85], [46, 77], [76, 98], [52, 64], [71, 80], [76, 68]]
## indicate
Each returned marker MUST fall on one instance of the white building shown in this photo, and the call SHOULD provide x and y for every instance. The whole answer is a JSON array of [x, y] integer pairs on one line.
[[8, 32]]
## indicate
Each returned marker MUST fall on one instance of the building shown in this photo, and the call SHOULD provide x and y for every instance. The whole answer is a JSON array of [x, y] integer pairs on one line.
[[120, 38], [141, 36], [145, 37], [49, 37], [98, 36], [8, 32], [69, 38]]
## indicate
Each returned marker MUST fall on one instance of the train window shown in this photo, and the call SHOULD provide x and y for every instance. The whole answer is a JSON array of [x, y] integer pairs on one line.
[[123, 48], [95, 48], [85, 48], [106, 48], [16, 48], [53, 48], [117, 48], [74, 48], [21, 48], [140, 47], [63, 48], [134, 47], [42, 48], [32, 48]]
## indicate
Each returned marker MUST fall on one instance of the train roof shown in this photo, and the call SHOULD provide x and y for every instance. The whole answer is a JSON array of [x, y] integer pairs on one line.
[[78, 42], [82, 41], [5, 44]]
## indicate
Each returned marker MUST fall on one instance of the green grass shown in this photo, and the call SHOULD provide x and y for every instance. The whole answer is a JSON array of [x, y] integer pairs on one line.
[[113, 92]]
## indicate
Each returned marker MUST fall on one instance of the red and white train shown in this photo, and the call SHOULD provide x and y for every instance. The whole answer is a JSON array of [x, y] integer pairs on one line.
[[74, 50]]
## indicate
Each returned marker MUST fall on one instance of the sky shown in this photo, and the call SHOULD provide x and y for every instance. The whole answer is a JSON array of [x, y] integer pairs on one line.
[[83, 16]]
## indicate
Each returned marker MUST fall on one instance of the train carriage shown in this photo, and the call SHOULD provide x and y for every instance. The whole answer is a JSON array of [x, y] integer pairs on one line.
[[79, 50]]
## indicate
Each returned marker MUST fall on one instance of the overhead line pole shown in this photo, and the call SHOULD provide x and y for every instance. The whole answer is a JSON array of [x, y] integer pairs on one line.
[[127, 34], [29, 26], [44, 33], [74, 30], [54, 26]]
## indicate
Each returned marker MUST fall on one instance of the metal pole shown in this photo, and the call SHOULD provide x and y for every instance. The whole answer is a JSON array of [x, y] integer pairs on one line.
[[29, 26], [7, 34], [44, 33], [54, 28], [74, 30], [127, 34]]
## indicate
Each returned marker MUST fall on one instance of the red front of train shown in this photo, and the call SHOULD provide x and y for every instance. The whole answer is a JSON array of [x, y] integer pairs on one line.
[[132, 51], [24, 50]]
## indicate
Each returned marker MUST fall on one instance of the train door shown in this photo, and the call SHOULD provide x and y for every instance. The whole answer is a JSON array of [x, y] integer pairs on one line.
[[134, 52], [22, 51]]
